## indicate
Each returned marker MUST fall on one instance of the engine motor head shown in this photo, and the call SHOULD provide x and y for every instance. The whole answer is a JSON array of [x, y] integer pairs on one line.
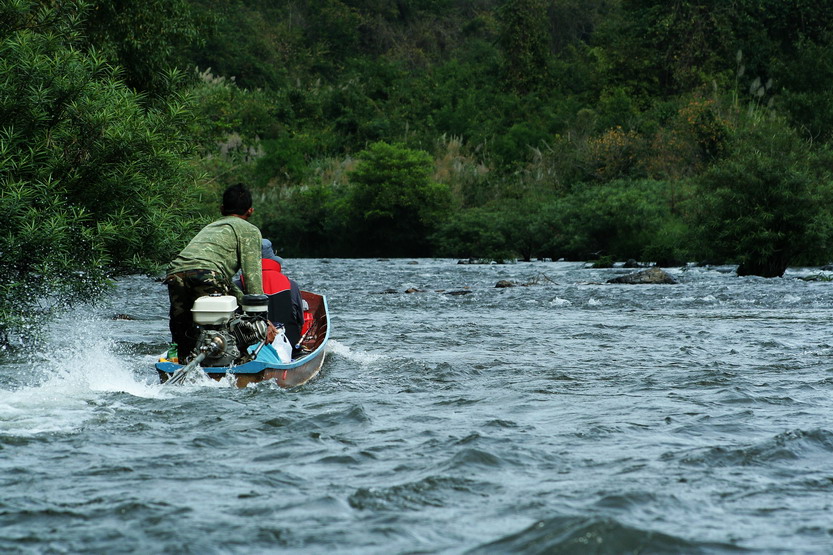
[[248, 329], [219, 345]]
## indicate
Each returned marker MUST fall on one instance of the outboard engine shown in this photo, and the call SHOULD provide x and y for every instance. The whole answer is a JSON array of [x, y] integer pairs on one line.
[[251, 326], [225, 334]]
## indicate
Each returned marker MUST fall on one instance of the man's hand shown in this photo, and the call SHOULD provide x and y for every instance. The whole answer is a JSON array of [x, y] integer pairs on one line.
[[271, 333]]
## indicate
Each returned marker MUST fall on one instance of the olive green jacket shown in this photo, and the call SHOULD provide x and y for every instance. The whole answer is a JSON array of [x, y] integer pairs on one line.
[[225, 246]]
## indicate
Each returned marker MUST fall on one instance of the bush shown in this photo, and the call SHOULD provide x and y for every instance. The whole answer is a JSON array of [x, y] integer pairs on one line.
[[307, 221], [91, 183], [806, 94], [145, 38], [767, 204], [622, 219], [394, 204], [475, 233], [502, 230]]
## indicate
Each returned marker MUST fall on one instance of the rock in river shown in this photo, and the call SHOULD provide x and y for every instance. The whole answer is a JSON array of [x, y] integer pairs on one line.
[[651, 275]]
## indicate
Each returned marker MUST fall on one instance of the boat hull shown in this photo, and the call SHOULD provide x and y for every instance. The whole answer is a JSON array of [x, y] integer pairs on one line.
[[291, 374]]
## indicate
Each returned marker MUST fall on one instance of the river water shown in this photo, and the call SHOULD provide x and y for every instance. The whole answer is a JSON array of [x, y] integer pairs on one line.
[[564, 416]]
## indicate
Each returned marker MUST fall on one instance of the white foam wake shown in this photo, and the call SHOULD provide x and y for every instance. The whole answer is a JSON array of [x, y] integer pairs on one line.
[[63, 386], [355, 355]]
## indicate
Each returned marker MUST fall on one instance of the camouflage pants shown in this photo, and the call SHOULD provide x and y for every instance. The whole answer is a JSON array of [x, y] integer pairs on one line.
[[183, 289]]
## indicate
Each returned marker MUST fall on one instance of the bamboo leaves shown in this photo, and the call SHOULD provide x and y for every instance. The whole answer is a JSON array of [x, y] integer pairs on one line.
[[85, 170]]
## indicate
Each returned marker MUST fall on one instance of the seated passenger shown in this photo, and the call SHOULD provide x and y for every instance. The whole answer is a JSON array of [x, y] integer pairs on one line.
[[285, 303]]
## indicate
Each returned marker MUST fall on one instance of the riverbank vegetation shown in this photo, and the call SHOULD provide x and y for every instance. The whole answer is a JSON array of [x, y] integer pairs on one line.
[[661, 131]]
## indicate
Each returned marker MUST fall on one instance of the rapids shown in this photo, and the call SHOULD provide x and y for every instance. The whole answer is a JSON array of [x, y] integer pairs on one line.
[[564, 415]]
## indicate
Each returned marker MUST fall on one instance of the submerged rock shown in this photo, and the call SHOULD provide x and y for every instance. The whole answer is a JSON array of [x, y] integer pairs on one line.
[[816, 277], [505, 283], [484, 261], [649, 276], [123, 317]]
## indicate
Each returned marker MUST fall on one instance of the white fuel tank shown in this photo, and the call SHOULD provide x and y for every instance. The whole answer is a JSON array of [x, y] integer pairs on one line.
[[213, 310]]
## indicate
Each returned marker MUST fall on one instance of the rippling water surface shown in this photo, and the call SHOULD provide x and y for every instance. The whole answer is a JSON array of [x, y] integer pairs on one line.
[[564, 416]]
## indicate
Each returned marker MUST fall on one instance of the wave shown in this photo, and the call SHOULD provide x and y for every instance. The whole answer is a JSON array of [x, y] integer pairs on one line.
[[432, 491], [787, 447], [592, 535]]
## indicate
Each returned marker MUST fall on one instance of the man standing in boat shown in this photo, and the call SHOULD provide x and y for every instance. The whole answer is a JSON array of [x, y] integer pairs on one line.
[[208, 264]]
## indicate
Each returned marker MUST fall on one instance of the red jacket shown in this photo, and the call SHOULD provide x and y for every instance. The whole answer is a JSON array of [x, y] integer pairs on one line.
[[273, 280]]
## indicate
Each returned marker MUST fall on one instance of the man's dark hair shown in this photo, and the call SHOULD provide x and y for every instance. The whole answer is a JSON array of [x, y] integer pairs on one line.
[[237, 199]]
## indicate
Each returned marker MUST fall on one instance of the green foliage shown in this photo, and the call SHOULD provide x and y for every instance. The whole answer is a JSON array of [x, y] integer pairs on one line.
[[525, 42], [144, 37], [767, 204], [395, 202], [91, 183], [612, 109], [271, 43], [606, 261], [805, 80], [622, 219], [616, 108], [572, 128], [241, 43], [513, 148], [475, 233], [384, 202], [308, 221], [619, 220], [505, 230], [52, 253], [657, 47], [283, 161], [221, 108]]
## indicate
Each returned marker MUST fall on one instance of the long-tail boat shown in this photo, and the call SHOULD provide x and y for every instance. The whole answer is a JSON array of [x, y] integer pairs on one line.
[[218, 358]]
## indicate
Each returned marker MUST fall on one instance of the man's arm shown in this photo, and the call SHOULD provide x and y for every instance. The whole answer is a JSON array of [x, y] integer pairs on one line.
[[250, 260]]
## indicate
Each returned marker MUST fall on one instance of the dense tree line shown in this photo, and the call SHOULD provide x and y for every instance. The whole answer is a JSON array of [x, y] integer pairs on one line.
[[560, 128], [665, 131]]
